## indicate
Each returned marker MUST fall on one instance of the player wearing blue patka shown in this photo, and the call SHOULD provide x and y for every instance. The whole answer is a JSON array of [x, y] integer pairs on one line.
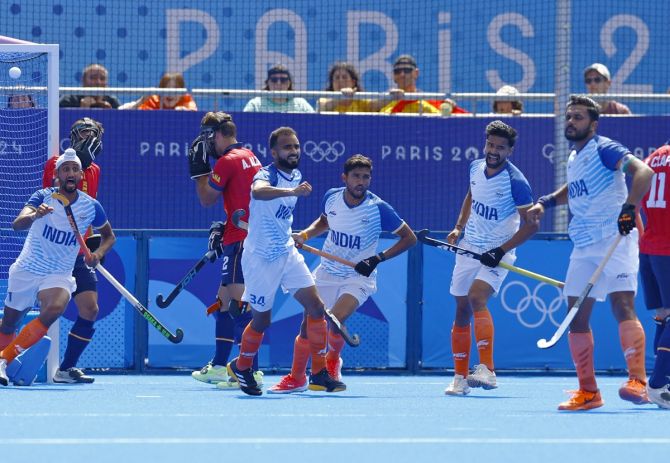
[[43, 270], [354, 218]]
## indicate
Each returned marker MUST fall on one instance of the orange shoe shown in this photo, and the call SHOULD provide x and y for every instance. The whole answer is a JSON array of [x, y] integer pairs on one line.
[[582, 400], [335, 368], [634, 390]]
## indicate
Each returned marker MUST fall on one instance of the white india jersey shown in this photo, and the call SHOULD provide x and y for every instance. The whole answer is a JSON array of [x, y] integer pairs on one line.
[[493, 214], [354, 231], [270, 221], [51, 246], [596, 190]]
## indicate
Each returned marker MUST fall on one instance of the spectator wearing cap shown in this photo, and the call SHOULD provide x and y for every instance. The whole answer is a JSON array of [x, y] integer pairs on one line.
[[597, 80], [405, 75], [514, 107], [279, 79]]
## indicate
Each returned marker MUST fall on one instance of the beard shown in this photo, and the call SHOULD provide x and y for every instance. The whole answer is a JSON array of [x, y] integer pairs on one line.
[[576, 135], [357, 194], [287, 163], [494, 165], [70, 187]]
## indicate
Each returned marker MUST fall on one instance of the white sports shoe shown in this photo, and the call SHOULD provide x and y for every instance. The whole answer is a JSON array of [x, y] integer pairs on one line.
[[482, 377], [211, 374], [459, 386], [4, 380], [660, 396]]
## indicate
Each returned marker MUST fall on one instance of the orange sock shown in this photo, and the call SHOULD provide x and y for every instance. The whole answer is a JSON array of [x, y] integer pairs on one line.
[[29, 335], [335, 345], [581, 349], [632, 343], [300, 357], [5, 339], [460, 346], [251, 342], [484, 337], [317, 334]]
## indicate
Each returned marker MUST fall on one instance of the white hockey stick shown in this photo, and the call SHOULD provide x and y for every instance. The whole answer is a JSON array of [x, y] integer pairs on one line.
[[572, 313]]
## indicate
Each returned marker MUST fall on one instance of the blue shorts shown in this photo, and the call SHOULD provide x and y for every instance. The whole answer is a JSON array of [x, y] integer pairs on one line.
[[231, 271], [655, 273], [84, 276]]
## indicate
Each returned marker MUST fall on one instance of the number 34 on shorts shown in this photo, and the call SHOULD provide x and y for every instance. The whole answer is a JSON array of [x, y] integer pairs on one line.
[[257, 300]]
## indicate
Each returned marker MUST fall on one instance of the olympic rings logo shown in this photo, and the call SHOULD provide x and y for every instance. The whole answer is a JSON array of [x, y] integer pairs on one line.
[[324, 150], [517, 298]]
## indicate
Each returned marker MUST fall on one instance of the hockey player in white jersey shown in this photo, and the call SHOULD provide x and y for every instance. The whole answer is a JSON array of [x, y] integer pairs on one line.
[[43, 270], [492, 211], [270, 260], [354, 219]]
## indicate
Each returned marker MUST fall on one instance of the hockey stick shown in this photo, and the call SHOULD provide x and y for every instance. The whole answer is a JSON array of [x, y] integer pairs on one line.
[[175, 338], [543, 343], [244, 226], [354, 340], [424, 238], [163, 303]]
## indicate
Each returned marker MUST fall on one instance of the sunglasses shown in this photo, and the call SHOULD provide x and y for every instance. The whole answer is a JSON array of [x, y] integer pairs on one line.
[[595, 80], [403, 70], [276, 80]]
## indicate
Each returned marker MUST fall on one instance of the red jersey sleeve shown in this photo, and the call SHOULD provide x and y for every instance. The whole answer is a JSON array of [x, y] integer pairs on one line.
[[655, 240], [49, 172]]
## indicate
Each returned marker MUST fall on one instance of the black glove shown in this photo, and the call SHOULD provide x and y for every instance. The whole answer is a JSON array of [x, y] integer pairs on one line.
[[215, 243], [367, 266], [626, 220], [198, 159], [87, 150], [493, 257]]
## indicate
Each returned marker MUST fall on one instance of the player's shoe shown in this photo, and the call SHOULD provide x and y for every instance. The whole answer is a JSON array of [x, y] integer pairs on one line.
[[582, 400], [232, 383], [245, 378], [71, 376], [482, 377], [334, 368], [322, 382], [660, 396], [634, 391], [459, 386], [288, 384], [4, 380], [211, 374]]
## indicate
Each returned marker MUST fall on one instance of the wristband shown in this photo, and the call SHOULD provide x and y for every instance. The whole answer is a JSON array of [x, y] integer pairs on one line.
[[547, 201], [304, 235], [381, 256], [458, 227]]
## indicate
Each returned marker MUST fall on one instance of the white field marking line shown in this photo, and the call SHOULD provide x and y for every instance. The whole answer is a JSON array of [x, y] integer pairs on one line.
[[148, 396], [337, 441]]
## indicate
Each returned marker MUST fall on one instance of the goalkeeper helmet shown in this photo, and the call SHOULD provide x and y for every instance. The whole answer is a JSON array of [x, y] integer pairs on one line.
[[84, 128], [212, 123]]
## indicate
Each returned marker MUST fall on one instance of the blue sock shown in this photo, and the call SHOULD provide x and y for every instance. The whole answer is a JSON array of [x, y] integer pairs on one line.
[[659, 377], [79, 338], [660, 326], [224, 338], [241, 323]]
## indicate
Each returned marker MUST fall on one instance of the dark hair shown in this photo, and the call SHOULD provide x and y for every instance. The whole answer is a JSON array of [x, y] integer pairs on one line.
[[20, 101], [355, 161], [500, 129], [219, 121], [516, 105], [176, 76], [279, 69], [278, 133], [353, 73], [592, 107]]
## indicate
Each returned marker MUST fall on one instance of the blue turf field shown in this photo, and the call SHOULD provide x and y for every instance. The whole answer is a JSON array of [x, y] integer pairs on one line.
[[125, 419]]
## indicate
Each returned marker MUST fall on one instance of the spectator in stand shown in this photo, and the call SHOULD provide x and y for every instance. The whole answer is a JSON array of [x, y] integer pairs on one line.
[[94, 75], [597, 80], [343, 77], [405, 75], [177, 102], [20, 101], [514, 107], [279, 79]]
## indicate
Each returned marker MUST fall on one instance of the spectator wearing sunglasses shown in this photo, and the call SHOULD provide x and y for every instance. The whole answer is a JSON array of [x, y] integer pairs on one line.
[[279, 79], [597, 80]]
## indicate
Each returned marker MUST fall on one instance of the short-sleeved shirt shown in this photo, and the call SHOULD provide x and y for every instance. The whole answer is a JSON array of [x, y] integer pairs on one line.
[[270, 221], [268, 105], [232, 175], [51, 246], [596, 190], [354, 230], [74, 101], [494, 217], [656, 237]]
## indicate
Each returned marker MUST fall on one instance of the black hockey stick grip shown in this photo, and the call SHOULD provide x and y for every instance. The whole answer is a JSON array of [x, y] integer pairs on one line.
[[164, 302]]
